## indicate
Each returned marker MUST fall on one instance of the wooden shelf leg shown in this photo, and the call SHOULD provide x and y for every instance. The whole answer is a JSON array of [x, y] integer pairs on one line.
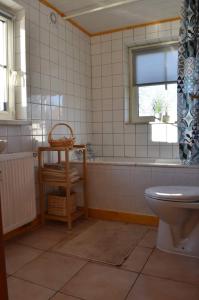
[[68, 200], [41, 189], [42, 204]]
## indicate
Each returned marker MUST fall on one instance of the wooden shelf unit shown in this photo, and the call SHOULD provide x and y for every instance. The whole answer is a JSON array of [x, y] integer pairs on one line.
[[62, 179]]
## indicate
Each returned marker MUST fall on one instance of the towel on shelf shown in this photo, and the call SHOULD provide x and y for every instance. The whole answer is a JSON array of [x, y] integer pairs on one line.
[[58, 169], [74, 175]]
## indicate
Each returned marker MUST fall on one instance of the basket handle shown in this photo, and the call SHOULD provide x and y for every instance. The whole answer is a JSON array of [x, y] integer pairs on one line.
[[56, 125]]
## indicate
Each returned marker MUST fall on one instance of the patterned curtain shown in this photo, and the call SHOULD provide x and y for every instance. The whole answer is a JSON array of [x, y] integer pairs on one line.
[[188, 83]]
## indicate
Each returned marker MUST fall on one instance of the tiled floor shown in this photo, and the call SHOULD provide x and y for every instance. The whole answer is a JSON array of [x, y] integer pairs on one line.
[[37, 272]]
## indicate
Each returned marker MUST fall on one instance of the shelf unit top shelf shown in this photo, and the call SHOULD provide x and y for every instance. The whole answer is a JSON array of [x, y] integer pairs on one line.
[[48, 148]]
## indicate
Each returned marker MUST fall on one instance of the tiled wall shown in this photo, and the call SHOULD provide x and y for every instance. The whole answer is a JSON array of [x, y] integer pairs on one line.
[[59, 60], [110, 93], [58, 79]]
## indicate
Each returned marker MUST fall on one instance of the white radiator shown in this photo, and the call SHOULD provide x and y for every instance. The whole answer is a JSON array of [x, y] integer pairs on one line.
[[17, 189]]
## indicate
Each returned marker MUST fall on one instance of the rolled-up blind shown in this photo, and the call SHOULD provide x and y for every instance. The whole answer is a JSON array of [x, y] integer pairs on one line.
[[155, 66]]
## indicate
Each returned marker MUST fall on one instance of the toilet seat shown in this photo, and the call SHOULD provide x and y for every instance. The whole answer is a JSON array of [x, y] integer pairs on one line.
[[185, 194]]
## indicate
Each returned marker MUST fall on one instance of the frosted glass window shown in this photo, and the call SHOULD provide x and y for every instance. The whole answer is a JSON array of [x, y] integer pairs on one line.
[[171, 65], [150, 67], [155, 66]]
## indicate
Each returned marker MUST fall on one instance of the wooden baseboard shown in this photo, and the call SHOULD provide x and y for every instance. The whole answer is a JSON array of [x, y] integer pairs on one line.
[[36, 223], [123, 217]]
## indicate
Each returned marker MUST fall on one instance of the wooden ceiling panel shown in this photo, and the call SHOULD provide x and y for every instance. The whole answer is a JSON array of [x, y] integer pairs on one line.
[[131, 14]]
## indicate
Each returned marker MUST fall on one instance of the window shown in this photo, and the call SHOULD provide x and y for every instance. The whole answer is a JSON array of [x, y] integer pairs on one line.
[[154, 83], [6, 67]]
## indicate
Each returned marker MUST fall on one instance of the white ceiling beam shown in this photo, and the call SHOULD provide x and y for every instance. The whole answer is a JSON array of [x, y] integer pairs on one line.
[[87, 10]]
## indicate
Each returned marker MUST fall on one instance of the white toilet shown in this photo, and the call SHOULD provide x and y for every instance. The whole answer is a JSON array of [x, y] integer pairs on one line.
[[178, 210]]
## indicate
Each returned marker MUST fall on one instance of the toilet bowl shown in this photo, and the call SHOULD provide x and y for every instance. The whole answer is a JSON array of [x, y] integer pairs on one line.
[[178, 210]]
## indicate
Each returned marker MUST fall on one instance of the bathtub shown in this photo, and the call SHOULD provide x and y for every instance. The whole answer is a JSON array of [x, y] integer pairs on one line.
[[118, 184]]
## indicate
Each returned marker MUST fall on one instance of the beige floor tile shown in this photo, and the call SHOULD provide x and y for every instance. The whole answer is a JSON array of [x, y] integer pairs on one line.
[[100, 282], [137, 259], [42, 238], [22, 290], [149, 239], [51, 270], [64, 297], [151, 288], [173, 266], [18, 255], [79, 226]]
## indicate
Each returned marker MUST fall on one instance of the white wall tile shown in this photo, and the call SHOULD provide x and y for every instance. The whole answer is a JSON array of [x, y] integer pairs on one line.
[[61, 64], [141, 151], [117, 45], [130, 151], [59, 75]]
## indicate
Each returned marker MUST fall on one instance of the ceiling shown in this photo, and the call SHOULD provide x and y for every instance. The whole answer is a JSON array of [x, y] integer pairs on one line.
[[136, 12], [11, 4]]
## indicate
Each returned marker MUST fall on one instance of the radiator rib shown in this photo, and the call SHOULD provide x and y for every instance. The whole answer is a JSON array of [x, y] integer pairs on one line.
[[17, 190]]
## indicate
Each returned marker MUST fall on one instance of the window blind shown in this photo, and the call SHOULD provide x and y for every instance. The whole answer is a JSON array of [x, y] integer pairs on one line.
[[155, 66]]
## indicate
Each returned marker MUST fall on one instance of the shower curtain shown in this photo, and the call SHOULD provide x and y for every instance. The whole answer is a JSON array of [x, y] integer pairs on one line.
[[188, 83]]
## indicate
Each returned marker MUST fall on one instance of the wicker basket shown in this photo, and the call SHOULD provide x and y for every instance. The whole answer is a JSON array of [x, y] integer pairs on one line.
[[62, 142], [57, 204]]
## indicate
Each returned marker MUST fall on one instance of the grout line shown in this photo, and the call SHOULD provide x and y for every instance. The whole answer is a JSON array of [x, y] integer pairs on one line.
[[53, 295], [87, 262], [44, 252], [14, 274], [140, 273], [31, 282], [49, 229], [126, 267], [170, 279], [132, 286], [68, 255], [67, 282], [160, 277], [152, 251], [65, 295]]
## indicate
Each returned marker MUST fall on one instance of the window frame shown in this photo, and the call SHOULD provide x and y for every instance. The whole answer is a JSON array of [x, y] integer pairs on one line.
[[9, 114], [134, 117]]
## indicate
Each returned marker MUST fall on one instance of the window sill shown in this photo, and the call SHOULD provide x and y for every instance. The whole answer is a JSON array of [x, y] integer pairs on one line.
[[137, 123], [159, 122], [149, 123], [15, 122]]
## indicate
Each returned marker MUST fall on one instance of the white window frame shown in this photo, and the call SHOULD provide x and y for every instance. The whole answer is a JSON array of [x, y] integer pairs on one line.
[[133, 98], [10, 113]]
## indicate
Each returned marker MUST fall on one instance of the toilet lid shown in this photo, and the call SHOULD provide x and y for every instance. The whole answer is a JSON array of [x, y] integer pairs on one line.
[[174, 193]]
